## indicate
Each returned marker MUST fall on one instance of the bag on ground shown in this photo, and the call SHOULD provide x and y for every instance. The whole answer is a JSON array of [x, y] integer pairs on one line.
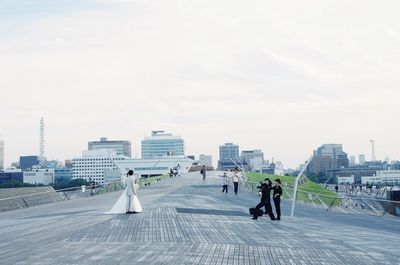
[[251, 211]]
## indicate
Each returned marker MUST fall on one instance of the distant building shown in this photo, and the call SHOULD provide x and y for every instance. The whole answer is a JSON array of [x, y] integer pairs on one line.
[[92, 164], [395, 165], [274, 168], [161, 144], [7, 176], [345, 180], [254, 158], [15, 164], [352, 160], [320, 165], [229, 157], [1, 154], [231, 165], [229, 151], [28, 162], [361, 159], [43, 176], [62, 175], [342, 160], [328, 157], [52, 164], [385, 177], [357, 172], [331, 150], [68, 163], [205, 160], [121, 147]]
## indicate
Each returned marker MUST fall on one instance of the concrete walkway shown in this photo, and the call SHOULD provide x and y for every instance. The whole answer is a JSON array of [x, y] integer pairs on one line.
[[187, 221]]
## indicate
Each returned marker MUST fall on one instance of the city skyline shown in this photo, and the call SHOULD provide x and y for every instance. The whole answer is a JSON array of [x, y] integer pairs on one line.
[[283, 77], [136, 151]]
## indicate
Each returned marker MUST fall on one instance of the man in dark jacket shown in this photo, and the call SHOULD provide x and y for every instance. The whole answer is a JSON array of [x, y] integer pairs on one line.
[[277, 198], [265, 200]]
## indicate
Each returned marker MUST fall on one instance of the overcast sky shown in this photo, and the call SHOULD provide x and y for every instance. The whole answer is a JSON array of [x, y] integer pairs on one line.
[[281, 76]]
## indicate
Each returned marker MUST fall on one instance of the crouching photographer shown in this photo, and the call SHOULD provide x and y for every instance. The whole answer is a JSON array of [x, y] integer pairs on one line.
[[265, 192]]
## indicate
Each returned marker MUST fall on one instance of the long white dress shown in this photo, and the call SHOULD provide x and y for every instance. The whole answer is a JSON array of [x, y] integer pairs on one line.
[[121, 204]]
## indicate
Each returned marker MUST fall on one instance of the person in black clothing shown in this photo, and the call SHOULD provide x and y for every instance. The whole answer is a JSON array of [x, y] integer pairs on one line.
[[265, 200], [277, 198], [93, 188]]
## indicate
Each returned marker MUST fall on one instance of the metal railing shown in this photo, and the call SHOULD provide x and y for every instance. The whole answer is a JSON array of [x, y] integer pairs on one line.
[[330, 202]]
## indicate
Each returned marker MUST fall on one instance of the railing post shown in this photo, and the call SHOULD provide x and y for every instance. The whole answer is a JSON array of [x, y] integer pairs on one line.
[[296, 185]]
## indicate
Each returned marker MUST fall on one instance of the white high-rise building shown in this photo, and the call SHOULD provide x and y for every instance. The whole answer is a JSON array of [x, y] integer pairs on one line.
[[121, 147], [1, 155], [205, 160], [161, 144], [92, 165], [254, 159]]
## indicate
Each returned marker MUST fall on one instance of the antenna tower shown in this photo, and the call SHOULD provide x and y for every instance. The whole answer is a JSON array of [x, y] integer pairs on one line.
[[41, 143]]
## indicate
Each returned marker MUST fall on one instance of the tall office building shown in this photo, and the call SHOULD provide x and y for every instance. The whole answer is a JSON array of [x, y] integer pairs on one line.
[[1, 155], [161, 144], [229, 151], [121, 147], [331, 150], [92, 165], [28, 162], [254, 158], [361, 159], [327, 157], [229, 157], [205, 160]]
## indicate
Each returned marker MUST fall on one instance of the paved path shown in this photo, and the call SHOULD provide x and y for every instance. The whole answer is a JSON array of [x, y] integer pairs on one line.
[[187, 221]]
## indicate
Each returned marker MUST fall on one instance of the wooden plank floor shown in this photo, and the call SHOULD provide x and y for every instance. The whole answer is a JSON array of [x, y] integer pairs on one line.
[[179, 225]]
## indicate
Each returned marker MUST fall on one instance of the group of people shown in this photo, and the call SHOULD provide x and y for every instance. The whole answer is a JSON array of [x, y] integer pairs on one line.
[[235, 178], [265, 187], [265, 191]]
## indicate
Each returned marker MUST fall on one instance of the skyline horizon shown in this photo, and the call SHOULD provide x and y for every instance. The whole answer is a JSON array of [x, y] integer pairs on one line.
[[136, 151]]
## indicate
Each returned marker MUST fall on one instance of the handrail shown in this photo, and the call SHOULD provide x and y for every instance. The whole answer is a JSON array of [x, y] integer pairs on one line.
[[330, 196], [331, 205], [45, 192]]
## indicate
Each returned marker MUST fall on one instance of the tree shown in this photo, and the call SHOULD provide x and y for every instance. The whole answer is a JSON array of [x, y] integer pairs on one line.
[[79, 182]]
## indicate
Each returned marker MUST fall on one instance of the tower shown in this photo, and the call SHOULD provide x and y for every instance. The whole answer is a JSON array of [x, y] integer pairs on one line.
[[41, 141], [373, 157]]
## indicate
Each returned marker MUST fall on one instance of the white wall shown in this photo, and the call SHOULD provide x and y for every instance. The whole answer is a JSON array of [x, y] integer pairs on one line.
[[39, 176]]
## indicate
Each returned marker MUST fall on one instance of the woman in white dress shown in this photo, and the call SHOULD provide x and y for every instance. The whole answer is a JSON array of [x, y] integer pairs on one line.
[[128, 202]]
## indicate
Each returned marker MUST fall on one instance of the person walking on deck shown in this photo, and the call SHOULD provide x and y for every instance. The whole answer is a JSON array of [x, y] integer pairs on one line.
[[235, 179], [203, 172], [225, 183]]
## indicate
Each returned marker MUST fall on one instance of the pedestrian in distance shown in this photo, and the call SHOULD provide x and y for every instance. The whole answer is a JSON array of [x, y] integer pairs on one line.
[[337, 188], [265, 188], [277, 198], [93, 188], [203, 172], [235, 179], [225, 183]]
